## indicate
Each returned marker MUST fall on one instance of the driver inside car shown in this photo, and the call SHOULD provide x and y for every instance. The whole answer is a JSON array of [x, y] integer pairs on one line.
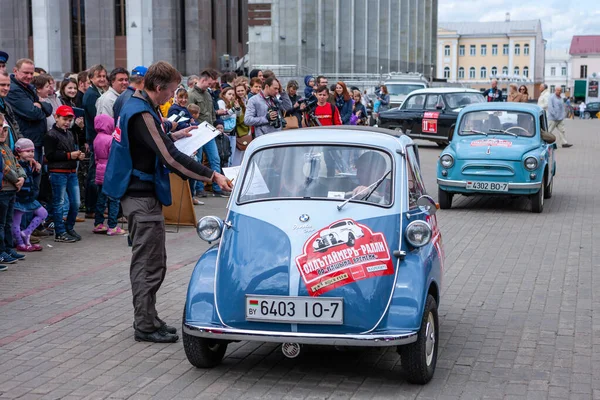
[[370, 167]]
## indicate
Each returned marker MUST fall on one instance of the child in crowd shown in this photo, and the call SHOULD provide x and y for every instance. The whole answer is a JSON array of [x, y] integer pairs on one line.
[[13, 179], [231, 107], [26, 198], [179, 109], [194, 110], [62, 155], [223, 145], [105, 126]]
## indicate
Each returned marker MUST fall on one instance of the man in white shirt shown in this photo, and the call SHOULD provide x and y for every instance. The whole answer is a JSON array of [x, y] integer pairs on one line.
[[582, 110], [118, 81], [544, 96]]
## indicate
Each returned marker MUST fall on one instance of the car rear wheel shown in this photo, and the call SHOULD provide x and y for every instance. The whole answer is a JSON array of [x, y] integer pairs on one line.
[[445, 199], [201, 352], [419, 358], [537, 200], [587, 115]]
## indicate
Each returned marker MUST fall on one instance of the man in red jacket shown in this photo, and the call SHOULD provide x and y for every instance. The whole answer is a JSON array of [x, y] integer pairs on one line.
[[327, 113]]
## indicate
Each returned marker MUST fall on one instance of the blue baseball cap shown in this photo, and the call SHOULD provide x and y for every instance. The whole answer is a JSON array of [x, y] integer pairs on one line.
[[139, 71], [3, 56]]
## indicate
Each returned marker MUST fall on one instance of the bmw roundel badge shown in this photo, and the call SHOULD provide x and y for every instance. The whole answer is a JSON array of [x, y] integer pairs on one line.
[[304, 218]]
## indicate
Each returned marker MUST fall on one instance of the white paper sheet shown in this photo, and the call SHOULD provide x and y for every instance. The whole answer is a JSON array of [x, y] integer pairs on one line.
[[176, 116], [257, 185], [231, 173], [200, 136]]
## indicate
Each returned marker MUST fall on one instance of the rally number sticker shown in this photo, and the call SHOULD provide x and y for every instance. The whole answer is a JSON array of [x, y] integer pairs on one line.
[[342, 253], [430, 122]]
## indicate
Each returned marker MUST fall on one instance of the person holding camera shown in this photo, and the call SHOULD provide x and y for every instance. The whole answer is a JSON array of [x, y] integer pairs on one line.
[[265, 110]]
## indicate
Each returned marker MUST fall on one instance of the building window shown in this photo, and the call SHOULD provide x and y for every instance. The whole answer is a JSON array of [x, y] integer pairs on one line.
[[526, 49], [583, 71], [446, 72], [78, 35], [494, 71], [483, 73], [504, 70], [483, 50], [516, 71], [505, 49], [517, 49], [461, 50], [552, 71], [563, 88], [461, 73], [526, 72], [472, 72], [446, 50], [473, 50], [563, 71], [552, 88], [494, 49], [120, 22]]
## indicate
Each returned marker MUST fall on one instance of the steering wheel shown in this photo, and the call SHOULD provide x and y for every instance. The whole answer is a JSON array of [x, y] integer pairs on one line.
[[517, 127]]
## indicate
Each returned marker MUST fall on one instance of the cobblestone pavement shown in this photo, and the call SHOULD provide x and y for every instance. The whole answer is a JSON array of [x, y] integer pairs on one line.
[[517, 316]]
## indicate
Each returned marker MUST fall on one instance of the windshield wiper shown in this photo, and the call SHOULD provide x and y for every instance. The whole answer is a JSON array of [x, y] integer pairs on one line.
[[503, 131], [371, 188], [473, 131]]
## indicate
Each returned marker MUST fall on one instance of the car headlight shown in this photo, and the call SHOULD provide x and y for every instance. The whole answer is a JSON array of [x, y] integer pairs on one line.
[[418, 233], [531, 163], [209, 228], [447, 161]]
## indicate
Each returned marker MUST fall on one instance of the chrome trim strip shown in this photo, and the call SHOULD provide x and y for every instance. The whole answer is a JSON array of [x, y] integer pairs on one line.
[[394, 338], [463, 184]]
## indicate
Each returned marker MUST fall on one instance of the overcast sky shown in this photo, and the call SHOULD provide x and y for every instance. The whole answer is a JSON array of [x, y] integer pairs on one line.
[[561, 19]]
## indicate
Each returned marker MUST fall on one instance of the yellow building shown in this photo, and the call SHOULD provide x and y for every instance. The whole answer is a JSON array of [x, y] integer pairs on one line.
[[473, 53]]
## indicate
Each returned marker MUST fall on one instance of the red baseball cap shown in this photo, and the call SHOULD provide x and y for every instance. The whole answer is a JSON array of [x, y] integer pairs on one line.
[[65, 111]]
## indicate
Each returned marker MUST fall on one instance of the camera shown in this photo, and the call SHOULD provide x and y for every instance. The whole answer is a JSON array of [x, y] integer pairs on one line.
[[309, 102], [279, 121]]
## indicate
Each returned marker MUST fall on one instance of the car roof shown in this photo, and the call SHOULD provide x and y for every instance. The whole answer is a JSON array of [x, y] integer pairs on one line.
[[504, 106], [444, 90], [341, 134]]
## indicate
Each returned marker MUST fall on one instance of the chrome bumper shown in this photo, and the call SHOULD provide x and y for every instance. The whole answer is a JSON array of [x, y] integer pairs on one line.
[[463, 184], [367, 340]]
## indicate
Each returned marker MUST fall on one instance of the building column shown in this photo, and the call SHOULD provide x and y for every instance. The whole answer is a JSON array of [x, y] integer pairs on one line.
[[532, 53], [140, 34], [511, 55], [52, 36], [454, 67], [100, 32], [164, 43], [14, 25]]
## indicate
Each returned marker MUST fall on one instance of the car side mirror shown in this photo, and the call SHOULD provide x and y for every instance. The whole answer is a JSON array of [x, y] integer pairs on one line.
[[427, 203]]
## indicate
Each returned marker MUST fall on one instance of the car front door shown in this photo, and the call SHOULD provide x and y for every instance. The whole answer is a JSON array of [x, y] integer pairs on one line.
[[436, 120], [414, 108]]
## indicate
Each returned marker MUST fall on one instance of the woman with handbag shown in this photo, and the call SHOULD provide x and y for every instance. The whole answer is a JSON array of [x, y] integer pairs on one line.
[[293, 117], [243, 135], [229, 103]]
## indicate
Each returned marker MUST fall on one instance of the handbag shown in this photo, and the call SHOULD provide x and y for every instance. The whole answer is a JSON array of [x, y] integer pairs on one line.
[[241, 142], [291, 122]]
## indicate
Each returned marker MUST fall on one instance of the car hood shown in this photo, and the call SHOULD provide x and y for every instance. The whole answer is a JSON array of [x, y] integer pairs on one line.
[[492, 147], [273, 253]]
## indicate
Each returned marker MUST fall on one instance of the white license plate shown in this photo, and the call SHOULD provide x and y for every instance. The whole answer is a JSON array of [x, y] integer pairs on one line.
[[299, 310], [488, 186]]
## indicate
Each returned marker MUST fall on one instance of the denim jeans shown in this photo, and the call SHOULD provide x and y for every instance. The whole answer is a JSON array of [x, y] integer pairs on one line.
[[212, 153], [113, 209], [39, 157], [7, 205], [62, 183], [91, 190]]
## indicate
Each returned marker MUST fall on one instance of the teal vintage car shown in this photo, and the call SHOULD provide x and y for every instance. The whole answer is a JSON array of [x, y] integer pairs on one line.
[[498, 149]]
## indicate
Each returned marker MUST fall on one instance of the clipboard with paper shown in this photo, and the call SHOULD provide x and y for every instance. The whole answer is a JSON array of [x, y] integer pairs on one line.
[[204, 133]]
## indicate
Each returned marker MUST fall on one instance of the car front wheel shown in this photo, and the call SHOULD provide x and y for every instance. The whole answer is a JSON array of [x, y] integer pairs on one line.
[[537, 200], [587, 115], [419, 358], [445, 199], [201, 352], [548, 192]]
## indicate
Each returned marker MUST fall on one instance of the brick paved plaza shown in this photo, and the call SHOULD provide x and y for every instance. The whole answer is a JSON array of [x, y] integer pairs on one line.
[[517, 316]]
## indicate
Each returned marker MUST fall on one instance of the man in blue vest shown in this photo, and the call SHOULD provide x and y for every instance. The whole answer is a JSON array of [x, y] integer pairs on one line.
[[137, 172]]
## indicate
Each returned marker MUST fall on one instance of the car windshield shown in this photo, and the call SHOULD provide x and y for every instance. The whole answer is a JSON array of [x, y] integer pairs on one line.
[[317, 172], [460, 100], [396, 89], [513, 123]]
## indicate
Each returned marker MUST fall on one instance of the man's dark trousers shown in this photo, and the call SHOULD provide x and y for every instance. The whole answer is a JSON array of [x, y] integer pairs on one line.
[[148, 257]]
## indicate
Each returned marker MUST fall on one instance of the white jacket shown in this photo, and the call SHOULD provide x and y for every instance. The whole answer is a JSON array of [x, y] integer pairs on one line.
[[543, 100]]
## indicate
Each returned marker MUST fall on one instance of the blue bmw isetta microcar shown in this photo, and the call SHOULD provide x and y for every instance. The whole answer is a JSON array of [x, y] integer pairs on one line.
[[329, 239], [498, 149]]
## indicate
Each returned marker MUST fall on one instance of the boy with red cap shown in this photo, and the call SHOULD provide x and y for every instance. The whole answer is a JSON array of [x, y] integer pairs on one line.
[[62, 155]]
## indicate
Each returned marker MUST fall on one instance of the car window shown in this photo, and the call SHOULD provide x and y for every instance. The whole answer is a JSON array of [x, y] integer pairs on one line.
[[498, 123], [460, 100], [416, 187], [543, 122], [415, 102], [395, 89], [433, 100], [339, 224], [331, 172]]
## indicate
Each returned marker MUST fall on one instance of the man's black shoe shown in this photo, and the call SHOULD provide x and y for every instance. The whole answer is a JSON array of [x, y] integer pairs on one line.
[[74, 234], [64, 238], [164, 327], [158, 336], [567, 145]]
